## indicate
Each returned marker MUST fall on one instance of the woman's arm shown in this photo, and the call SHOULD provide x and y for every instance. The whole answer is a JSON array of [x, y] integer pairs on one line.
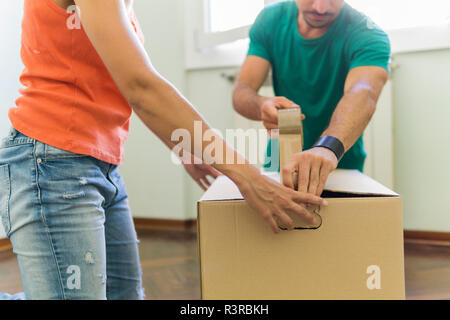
[[163, 109]]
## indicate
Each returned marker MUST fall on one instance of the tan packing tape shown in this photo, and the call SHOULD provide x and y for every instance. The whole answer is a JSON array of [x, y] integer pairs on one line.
[[290, 142], [290, 133]]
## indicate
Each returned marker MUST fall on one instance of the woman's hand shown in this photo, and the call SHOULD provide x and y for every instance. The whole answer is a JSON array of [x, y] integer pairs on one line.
[[200, 172], [272, 200]]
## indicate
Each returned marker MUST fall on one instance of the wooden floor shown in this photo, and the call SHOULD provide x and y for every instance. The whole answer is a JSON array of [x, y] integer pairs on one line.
[[170, 267]]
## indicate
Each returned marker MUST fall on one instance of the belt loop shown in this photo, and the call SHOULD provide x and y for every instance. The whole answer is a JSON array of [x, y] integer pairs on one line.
[[12, 133]]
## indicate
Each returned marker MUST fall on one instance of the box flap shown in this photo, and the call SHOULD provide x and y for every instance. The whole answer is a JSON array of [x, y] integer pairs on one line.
[[343, 181], [353, 181]]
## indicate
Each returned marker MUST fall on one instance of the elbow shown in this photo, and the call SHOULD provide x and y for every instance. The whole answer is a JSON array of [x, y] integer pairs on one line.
[[236, 97], [364, 95], [138, 89], [234, 100], [135, 90], [371, 103], [371, 98]]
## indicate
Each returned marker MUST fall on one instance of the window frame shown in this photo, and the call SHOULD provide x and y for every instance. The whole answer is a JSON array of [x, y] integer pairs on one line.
[[212, 49], [222, 49]]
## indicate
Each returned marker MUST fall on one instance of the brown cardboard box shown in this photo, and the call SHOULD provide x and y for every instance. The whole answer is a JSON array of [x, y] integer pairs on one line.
[[355, 253]]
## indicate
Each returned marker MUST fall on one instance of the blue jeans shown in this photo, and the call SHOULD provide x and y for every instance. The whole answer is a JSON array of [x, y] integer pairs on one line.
[[68, 219]]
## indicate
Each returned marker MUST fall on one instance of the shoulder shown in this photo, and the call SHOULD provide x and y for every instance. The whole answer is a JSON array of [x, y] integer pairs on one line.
[[361, 28], [269, 27]]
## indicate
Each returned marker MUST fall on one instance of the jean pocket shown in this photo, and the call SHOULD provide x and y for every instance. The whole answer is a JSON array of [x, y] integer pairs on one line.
[[5, 194]]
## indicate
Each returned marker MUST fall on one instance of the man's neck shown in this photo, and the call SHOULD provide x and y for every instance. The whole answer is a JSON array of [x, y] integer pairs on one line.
[[308, 32]]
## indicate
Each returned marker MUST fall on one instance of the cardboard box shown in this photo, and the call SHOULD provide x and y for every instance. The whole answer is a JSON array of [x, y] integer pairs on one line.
[[355, 253]]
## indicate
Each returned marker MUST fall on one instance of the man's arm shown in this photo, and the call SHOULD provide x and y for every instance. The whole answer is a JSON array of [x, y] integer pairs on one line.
[[362, 89], [248, 102]]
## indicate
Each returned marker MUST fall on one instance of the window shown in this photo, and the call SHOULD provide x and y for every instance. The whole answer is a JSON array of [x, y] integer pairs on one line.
[[231, 14], [217, 30], [412, 25], [400, 14], [226, 21]]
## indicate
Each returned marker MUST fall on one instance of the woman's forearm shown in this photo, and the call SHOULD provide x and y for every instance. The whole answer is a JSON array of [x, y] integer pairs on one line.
[[163, 110]]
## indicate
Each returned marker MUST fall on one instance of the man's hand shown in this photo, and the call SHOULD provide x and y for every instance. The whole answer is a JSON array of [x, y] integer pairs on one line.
[[269, 110], [273, 201], [313, 167], [199, 173]]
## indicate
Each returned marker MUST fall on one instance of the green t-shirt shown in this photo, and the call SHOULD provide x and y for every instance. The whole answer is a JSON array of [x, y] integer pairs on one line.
[[312, 72]]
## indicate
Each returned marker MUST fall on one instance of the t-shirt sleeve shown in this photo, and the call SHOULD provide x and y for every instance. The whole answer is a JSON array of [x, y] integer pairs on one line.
[[369, 46], [259, 40]]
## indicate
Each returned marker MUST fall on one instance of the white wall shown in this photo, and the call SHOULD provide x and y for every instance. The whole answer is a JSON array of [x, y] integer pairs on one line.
[[155, 186], [210, 94], [422, 138], [10, 64]]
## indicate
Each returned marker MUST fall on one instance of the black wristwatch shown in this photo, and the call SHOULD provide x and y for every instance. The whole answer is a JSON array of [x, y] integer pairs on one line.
[[333, 144]]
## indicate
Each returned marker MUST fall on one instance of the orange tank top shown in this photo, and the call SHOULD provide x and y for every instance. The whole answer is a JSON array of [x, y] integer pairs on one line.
[[69, 99]]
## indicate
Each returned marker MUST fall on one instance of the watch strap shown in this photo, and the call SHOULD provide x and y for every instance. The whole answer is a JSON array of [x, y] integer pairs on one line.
[[333, 144]]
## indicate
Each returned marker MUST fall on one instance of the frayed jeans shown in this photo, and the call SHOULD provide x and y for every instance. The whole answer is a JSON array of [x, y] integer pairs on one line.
[[68, 218]]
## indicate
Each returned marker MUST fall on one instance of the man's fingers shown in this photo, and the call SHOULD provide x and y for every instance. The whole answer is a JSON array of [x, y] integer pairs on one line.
[[284, 103], [286, 173], [314, 177], [270, 125], [303, 175], [324, 172], [270, 114]]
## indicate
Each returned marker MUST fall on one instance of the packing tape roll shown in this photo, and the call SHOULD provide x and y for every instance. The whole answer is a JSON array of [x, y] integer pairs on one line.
[[290, 142], [290, 134], [290, 121]]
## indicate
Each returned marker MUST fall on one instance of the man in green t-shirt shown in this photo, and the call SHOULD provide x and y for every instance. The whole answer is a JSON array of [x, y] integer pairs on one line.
[[330, 60]]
